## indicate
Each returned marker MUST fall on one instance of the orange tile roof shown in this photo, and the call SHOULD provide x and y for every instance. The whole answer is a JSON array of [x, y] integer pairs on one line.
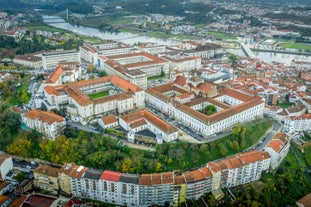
[[3, 199], [275, 144], [110, 176], [3, 157], [138, 123], [109, 119], [179, 179], [206, 172], [51, 90], [180, 80], [144, 114], [189, 178], [73, 170], [55, 75], [305, 201], [44, 116], [253, 156], [156, 179], [80, 97], [167, 177], [145, 179], [17, 202], [197, 175]]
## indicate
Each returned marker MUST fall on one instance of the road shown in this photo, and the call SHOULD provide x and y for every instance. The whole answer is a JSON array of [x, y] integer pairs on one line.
[[276, 127], [77, 126]]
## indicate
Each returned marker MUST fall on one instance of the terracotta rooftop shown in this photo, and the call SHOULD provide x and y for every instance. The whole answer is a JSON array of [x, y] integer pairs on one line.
[[145, 179], [109, 119], [304, 201], [73, 170], [39, 201], [275, 144], [144, 114], [3, 199], [179, 179], [156, 179], [189, 178], [110, 176], [197, 175], [167, 177], [44, 116], [18, 201], [3, 157], [55, 75], [180, 80], [206, 172], [252, 156]]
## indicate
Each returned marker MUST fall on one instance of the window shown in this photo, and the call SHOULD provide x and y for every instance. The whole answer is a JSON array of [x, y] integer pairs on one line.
[[105, 186], [124, 189]]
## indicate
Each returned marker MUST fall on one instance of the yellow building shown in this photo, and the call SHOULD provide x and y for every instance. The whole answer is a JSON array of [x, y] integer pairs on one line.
[[68, 171], [46, 178]]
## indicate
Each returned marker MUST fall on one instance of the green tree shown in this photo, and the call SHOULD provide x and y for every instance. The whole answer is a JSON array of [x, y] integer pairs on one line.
[[20, 147], [234, 60], [126, 164]]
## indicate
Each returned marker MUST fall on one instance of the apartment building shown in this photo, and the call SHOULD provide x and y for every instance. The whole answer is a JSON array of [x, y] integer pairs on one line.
[[108, 122], [183, 62], [46, 178], [239, 169], [90, 53], [232, 107], [129, 185], [144, 119], [66, 173], [110, 190], [135, 67], [156, 189], [277, 148], [64, 73], [46, 122], [6, 165], [90, 184], [76, 181], [198, 182], [153, 49], [75, 99], [165, 189], [205, 51], [297, 123], [29, 60], [51, 59]]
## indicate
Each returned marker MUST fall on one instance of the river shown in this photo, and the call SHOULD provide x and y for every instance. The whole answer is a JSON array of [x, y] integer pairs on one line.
[[131, 39], [128, 38], [271, 57]]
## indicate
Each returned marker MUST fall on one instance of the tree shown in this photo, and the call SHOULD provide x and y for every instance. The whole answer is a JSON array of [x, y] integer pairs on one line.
[[234, 60], [126, 164], [158, 167], [90, 68], [20, 177], [208, 110], [101, 73], [20, 147]]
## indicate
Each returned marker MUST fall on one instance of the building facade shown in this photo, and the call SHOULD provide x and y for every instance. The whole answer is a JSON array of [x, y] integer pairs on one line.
[[51, 59], [48, 123]]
